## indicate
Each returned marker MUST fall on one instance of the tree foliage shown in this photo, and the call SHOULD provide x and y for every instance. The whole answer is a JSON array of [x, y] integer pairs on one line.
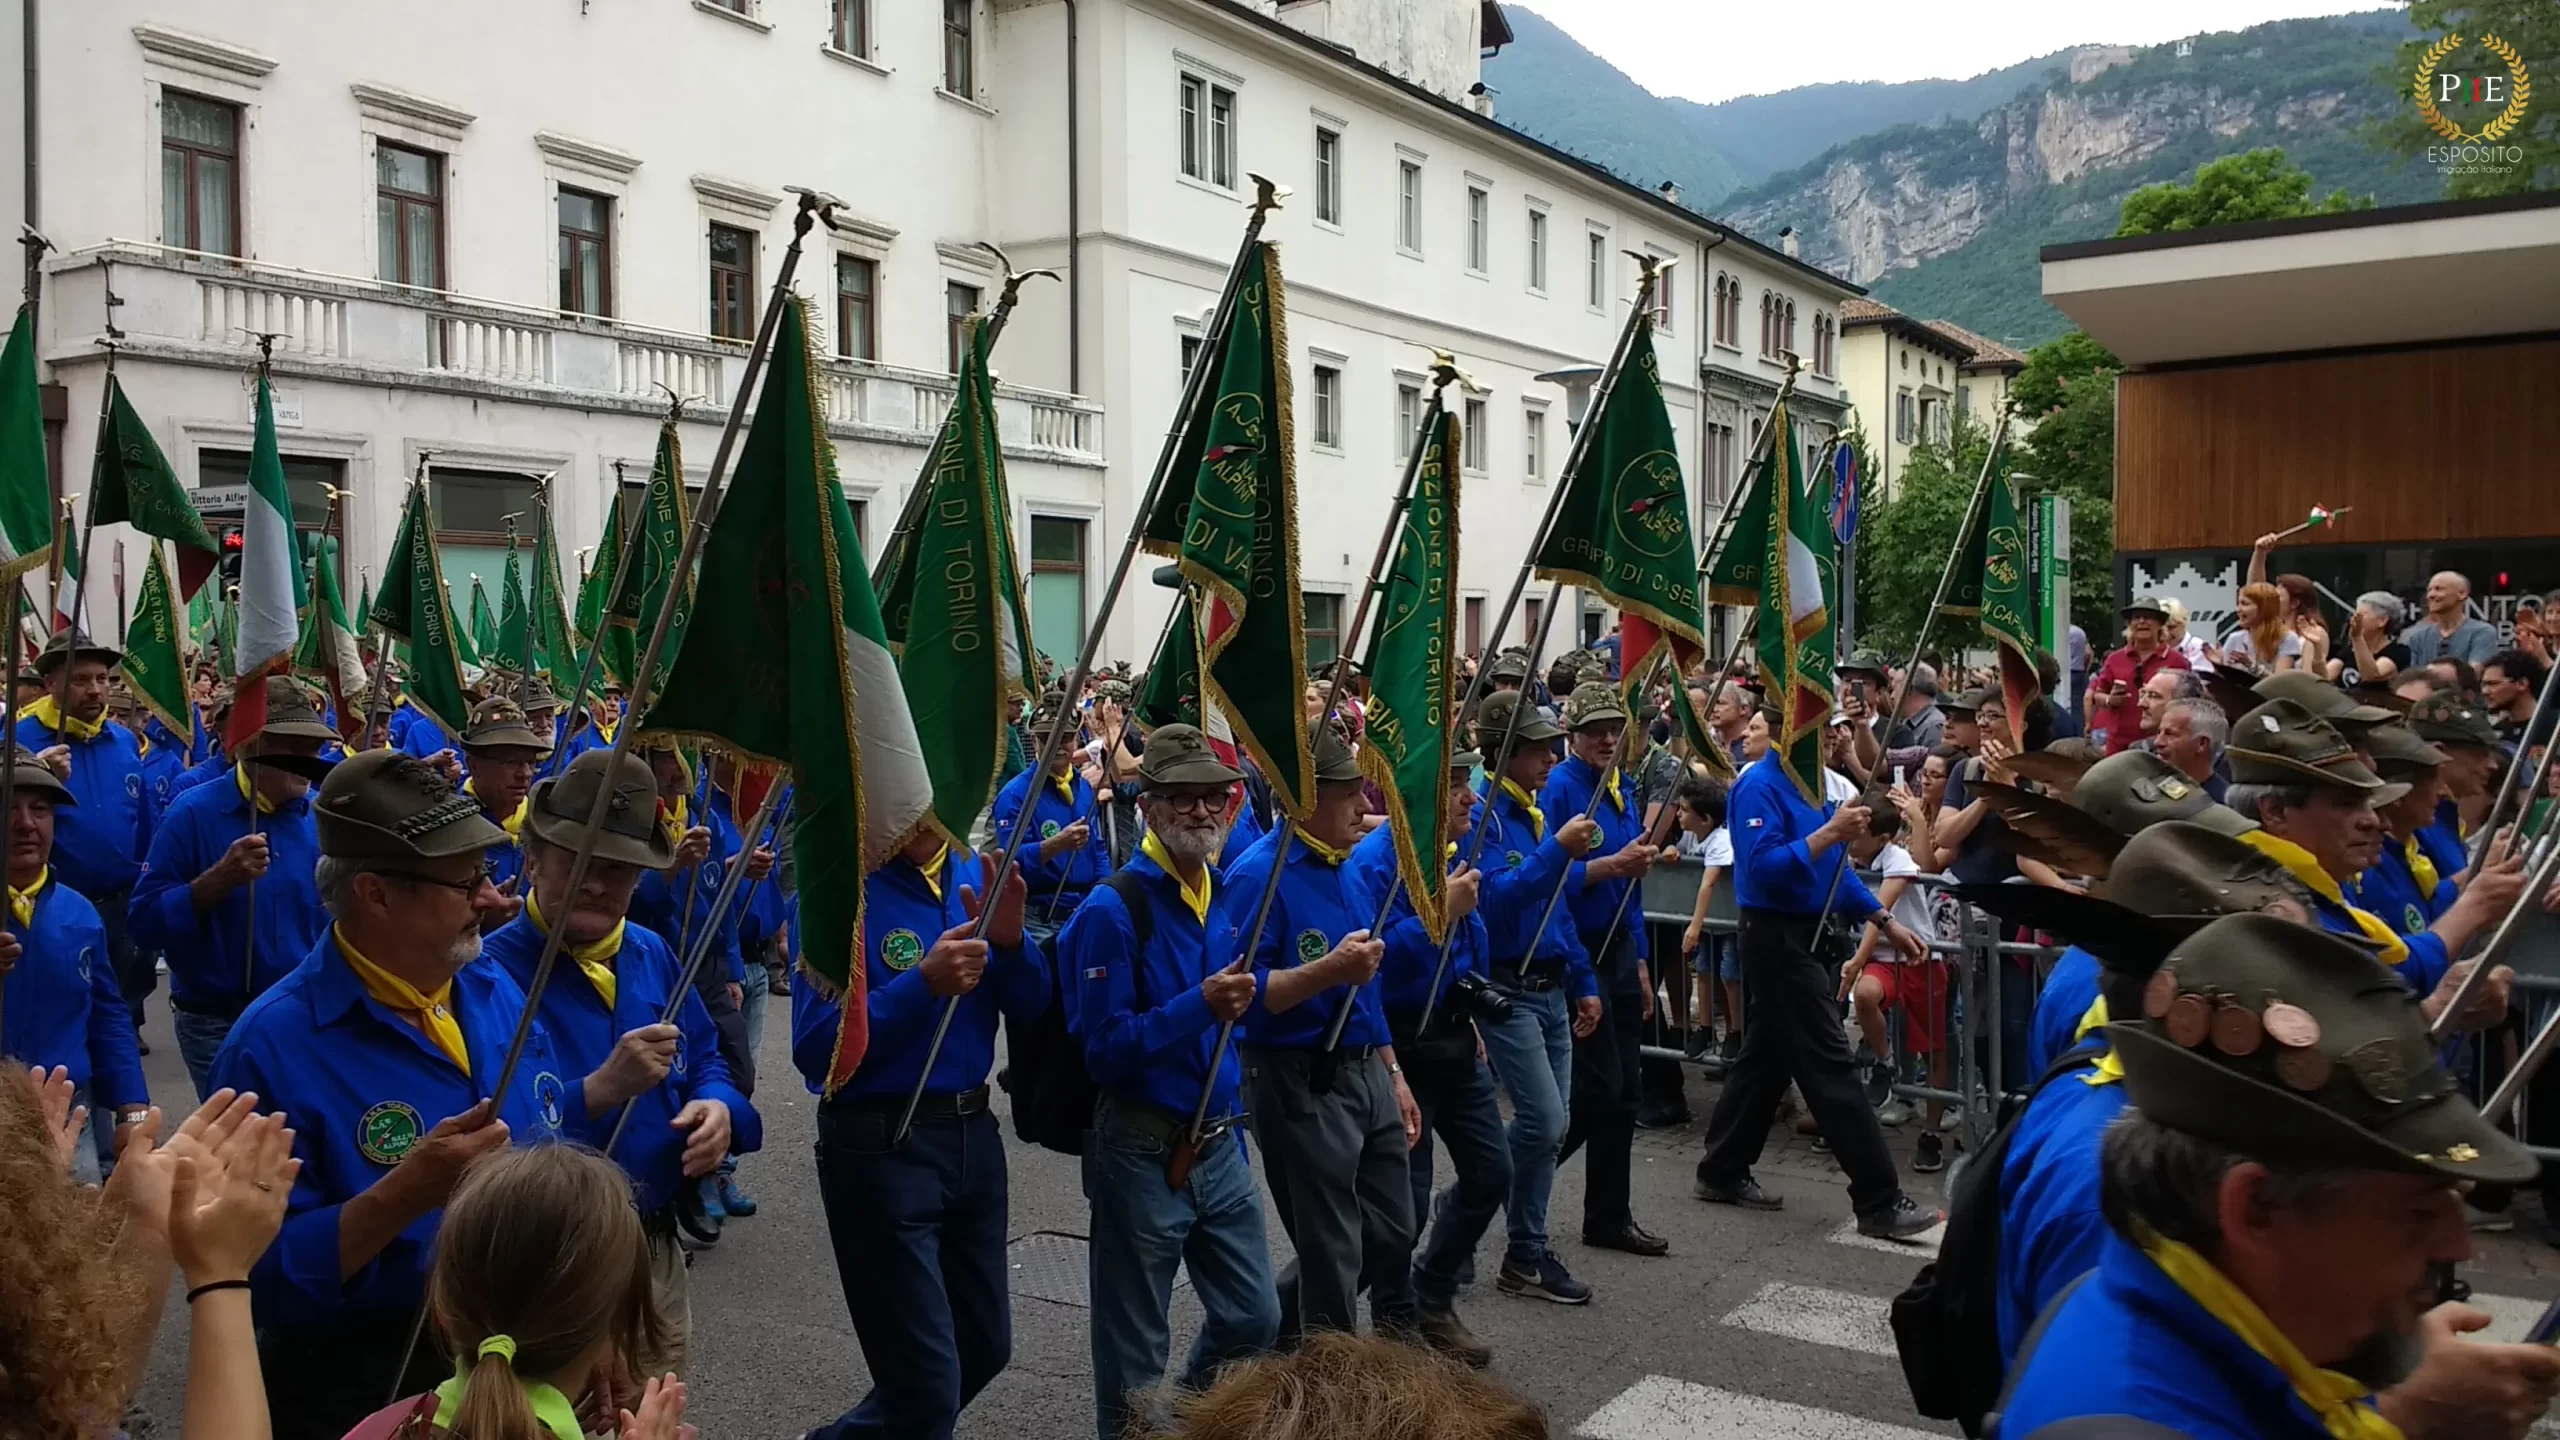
[[2259, 184], [2533, 28]]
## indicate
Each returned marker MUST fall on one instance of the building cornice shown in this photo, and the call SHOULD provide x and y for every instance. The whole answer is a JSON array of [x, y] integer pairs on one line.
[[602, 161], [385, 105], [203, 53], [723, 193]]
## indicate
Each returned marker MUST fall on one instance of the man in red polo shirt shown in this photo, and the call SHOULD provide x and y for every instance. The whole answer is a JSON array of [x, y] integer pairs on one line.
[[2115, 693]]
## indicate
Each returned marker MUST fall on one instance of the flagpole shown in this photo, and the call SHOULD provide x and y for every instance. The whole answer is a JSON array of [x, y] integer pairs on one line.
[[1267, 198], [1648, 275], [2515, 769], [627, 573], [375, 703], [766, 817]]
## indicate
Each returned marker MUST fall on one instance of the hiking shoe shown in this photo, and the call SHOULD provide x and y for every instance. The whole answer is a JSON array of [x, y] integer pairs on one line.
[[1546, 1279], [1931, 1157], [1745, 1192], [1630, 1237], [1894, 1112], [1443, 1331], [1904, 1219], [733, 1200]]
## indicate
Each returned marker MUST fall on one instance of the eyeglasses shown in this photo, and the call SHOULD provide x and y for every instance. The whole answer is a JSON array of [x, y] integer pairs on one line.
[[1177, 801], [468, 889]]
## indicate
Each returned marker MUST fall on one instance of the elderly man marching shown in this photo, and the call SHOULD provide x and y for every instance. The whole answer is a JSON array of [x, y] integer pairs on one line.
[[1335, 1127], [1063, 855], [103, 836], [1150, 953], [383, 1047], [612, 982], [502, 749]]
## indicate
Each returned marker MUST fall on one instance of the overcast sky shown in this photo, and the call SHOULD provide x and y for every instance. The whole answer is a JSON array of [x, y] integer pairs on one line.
[[1714, 52]]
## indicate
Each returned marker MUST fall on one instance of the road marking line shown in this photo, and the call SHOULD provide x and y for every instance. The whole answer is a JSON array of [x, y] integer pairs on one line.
[[1824, 1317], [1923, 1248], [1661, 1408]]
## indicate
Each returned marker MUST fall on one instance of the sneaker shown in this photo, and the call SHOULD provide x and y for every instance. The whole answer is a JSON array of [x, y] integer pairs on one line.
[[778, 983], [698, 1219], [1931, 1157], [1894, 1112], [1745, 1192], [735, 1201], [1731, 1048], [1546, 1279], [1697, 1042], [1904, 1219], [1443, 1331], [1877, 1078], [1821, 1144]]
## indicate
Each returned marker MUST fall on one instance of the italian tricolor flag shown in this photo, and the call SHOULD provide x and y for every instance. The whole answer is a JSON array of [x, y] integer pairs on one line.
[[271, 588]]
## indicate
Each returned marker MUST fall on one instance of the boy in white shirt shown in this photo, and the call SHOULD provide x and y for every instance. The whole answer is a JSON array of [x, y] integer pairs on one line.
[[1876, 977]]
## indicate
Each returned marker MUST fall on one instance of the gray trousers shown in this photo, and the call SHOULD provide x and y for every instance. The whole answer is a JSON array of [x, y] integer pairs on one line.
[[1338, 1175]]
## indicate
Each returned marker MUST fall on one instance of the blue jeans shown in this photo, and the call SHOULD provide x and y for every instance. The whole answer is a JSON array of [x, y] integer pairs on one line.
[[200, 1038], [1532, 1052], [1143, 1230], [753, 992], [1469, 1118], [919, 1236], [91, 1163]]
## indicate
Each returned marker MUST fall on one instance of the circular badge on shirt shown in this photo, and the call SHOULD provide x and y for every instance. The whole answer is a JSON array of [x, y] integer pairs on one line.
[[2412, 920], [1311, 946], [87, 955], [901, 949], [1515, 859], [546, 1092], [388, 1131], [1048, 829]]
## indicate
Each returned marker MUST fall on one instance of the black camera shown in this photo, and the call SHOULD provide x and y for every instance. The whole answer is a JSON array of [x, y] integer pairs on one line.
[[1473, 996]]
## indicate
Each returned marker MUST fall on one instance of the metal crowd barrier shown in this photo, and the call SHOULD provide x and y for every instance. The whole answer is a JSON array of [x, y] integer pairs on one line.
[[1982, 970]]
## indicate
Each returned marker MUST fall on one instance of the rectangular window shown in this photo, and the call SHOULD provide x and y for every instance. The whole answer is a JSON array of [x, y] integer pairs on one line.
[[1409, 206], [1718, 463], [1666, 303], [857, 318], [1190, 356], [1323, 614], [409, 214], [470, 508], [1902, 416], [1475, 624], [307, 483], [1408, 420], [1964, 400], [1471, 444], [199, 174], [1208, 131], [849, 27], [1596, 272], [1328, 176], [1533, 610], [1533, 443], [1538, 251], [586, 253], [1328, 406], [959, 56], [733, 283], [1055, 590], [1479, 223], [960, 301]]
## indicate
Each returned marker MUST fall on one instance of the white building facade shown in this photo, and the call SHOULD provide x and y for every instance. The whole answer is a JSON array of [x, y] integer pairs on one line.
[[493, 247]]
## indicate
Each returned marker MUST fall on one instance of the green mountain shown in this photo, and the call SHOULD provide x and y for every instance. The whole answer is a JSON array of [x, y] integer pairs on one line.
[[1546, 85], [1762, 135]]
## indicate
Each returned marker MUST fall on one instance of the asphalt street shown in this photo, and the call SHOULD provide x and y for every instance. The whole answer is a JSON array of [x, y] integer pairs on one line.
[[1756, 1325]]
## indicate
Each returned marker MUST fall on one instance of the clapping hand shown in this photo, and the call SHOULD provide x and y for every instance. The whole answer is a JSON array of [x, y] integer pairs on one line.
[[227, 1202]]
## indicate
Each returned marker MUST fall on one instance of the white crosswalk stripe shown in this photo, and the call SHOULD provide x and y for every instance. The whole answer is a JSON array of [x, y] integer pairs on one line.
[[1661, 1408], [1821, 1317]]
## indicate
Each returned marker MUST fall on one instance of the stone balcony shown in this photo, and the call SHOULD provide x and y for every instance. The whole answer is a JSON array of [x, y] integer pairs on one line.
[[190, 309]]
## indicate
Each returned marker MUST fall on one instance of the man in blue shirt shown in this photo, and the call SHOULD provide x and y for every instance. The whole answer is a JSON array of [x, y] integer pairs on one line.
[[502, 749], [62, 1009], [1062, 855], [1150, 993], [217, 866], [1798, 903], [608, 986], [1335, 1125], [1544, 971], [1451, 1085], [100, 840], [919, 1226], [1608, 1075], [2278, 1197], [384, 1048]]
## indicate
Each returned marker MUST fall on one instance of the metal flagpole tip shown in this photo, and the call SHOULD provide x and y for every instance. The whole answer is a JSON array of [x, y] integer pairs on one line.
[[1267, 192]]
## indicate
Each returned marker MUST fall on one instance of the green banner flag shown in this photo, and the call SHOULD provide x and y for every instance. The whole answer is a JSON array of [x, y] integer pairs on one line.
[[1794, 636], [2008, 600], [1239, 547], [203, 625], [802, 676], [484, 628], [665, 510], [414, 606], [364, 608], [328, 645], [1171, 695], [595, 586], [515, 615], [954, 613], [131, 482], [26, 504], [554, 654], [1411, 716], [154, 664]]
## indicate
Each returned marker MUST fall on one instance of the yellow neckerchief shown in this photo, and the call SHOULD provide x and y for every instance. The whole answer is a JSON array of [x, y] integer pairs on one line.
[[240, 772], [514, 824], [141, 743], [2107, 1068], [48, 713], [22, 903], [2305, 867], [674, 817], [434, 1013], [2339, 1400], [1322, 851], [603, 728], [1065, 780], [931, 870], [2421, 867], [1197, 897], [1609, 787], [593, 958], [549, 1406], [1537, 817]]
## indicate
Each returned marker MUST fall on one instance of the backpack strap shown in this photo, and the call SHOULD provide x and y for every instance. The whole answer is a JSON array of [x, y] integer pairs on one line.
[[1132, 891]]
